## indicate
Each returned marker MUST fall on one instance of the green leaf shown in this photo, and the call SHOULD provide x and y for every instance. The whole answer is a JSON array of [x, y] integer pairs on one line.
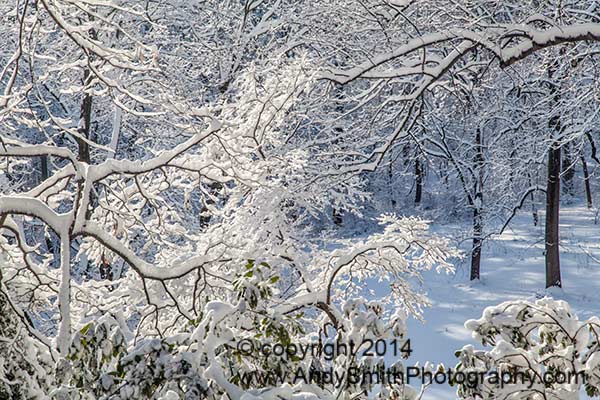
[[85, 328]]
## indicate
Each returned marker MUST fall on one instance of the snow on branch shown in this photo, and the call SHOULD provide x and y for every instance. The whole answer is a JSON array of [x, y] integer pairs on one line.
[[495, 39]]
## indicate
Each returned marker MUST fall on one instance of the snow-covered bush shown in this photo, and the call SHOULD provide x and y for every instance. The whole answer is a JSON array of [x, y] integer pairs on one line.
[[539, 350], [265, 305], [25, 361]]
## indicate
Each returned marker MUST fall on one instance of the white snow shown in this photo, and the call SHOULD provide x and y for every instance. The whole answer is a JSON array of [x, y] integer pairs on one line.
[[512, 268]]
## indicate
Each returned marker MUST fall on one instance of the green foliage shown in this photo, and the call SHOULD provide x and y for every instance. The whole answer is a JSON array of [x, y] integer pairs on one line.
[[255, 283], [100, 366], [22, 371]]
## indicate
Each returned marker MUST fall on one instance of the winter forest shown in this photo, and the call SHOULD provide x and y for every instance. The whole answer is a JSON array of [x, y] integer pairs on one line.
[[299, 199]]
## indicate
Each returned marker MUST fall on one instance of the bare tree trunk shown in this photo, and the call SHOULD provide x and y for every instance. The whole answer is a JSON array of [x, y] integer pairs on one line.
[[64, 295], [85, 114], [477, 242], [83, 129], [477, 209], [553, 277], [391, 184], [586, 179], [513, 168], [406, 154], [84, 122], [44, 168], [105, 269], [418, 181], [552, 217], [534, 211], [568, 169], [205, 217], [337, 217]]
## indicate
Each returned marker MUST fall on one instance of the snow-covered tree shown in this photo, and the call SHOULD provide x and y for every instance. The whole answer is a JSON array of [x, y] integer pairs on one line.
[[173, 175]]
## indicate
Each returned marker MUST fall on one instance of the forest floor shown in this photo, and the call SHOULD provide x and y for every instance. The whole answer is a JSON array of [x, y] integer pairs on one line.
[[512, 268]]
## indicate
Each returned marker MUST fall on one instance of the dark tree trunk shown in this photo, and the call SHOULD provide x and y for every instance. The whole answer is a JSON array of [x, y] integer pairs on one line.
[[418, 181], [214, 190], [568, 170], [85, 121], [337, 217], [534, 211], [553, 277], [552, 217], [406, 154], [391, 184], [45, 173], [477, 242], [106, 271], [83, 129], [44, 167], [586, 179], [477, 209], [513, 165], [85, 118]]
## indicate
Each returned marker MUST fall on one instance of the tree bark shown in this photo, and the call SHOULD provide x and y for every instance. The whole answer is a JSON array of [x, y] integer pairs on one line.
[[44, 167], [418, 181], [477, 242], [553, 277], [477, 209], [337, 217], [391, 184], [85, 116], [205, 217], [568, 170], [534, 211], [586, 179], [64, 296]]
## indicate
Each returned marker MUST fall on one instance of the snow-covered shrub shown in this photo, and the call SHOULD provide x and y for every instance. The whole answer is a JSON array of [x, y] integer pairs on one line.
[[25, 362], [263, 306], [539, 350], [100, 366]]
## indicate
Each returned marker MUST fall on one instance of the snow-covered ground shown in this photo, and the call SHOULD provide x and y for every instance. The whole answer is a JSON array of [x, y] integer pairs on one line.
[[512, 268]]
